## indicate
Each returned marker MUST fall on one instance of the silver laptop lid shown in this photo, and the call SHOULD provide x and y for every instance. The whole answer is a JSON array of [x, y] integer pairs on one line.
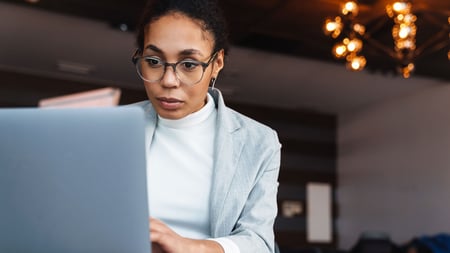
[[73, 180]]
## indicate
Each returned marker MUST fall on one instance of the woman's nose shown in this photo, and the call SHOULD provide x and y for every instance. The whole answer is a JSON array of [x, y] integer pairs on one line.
[[170, 79]]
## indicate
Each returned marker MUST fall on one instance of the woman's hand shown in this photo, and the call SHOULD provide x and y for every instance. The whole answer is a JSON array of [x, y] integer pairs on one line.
[[165, 240]]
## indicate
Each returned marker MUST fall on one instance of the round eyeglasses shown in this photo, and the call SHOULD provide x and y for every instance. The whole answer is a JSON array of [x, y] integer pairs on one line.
[[189, 72]]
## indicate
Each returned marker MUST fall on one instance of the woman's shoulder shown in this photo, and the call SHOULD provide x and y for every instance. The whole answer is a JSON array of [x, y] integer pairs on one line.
[[247, 120], [252, 127]]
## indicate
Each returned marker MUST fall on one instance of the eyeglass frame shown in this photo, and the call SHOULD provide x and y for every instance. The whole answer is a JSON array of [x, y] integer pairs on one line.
[[135, 58]]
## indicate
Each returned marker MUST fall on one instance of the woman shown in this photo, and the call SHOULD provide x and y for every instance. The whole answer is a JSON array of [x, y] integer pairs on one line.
[[212, 171]]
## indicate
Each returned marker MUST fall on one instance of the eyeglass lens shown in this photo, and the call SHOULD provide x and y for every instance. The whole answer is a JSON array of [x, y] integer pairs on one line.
[[153, 69]]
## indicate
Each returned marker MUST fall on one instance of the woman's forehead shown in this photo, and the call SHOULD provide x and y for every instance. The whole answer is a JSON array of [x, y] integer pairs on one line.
[[176, 32]]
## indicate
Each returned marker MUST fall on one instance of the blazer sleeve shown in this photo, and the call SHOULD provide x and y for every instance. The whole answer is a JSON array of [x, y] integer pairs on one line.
[[253, 231]]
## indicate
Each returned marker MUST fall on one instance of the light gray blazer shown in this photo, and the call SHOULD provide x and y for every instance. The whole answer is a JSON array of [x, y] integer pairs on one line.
[[245, 178]]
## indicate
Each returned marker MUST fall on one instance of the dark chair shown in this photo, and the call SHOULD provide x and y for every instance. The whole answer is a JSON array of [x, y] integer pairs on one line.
[[374, 243]]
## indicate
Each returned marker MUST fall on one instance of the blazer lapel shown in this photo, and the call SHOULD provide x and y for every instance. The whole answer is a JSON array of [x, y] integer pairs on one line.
[[226, 156]]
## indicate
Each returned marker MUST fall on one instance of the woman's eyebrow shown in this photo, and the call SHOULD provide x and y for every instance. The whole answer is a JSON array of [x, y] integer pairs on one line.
[[185, 52], [189, 52], [154, 48]]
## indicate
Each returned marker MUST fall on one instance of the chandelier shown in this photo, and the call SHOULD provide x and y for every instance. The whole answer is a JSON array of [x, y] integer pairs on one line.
[[351, 35]]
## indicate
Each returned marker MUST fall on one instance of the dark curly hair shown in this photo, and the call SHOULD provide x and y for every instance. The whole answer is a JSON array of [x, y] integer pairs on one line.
[[206, 11]]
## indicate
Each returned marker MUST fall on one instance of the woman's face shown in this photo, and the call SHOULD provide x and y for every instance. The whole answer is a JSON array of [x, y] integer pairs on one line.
[[172, 38]]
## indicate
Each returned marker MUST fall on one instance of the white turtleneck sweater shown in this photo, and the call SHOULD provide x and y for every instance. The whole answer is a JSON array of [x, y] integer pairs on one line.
[[179, 174]]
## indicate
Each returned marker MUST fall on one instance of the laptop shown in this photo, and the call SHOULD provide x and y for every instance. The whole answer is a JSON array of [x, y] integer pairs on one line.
[[73, 180]]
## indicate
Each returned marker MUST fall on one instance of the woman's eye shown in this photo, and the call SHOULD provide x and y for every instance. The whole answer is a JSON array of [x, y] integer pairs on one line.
[[153, 62], [189, 65]]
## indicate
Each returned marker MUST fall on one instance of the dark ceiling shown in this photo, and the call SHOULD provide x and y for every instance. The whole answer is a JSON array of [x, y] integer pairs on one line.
[[291, 27]]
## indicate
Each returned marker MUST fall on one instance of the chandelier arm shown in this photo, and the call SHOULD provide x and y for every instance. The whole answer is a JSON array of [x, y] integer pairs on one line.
[[379, 25], [433, 20], [433, 44], [374, 43], [433, 48], [379, 46]]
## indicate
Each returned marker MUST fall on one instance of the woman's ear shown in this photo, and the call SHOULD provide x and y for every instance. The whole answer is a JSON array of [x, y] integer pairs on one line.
[[218, 62]]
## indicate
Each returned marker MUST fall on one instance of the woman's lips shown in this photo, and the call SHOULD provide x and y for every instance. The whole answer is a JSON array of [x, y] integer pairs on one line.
[[169, 103]]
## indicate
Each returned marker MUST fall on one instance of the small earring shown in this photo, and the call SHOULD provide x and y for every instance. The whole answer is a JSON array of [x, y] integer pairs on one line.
[[213, 82]]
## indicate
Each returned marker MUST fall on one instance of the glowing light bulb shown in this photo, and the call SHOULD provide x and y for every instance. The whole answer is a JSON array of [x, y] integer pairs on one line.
[[339, 50], [407, 70], [400, 6], [354, 45], [360, 29], [404, 32], [356, 63], [351, 8], [409, 18], [333, 27]]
